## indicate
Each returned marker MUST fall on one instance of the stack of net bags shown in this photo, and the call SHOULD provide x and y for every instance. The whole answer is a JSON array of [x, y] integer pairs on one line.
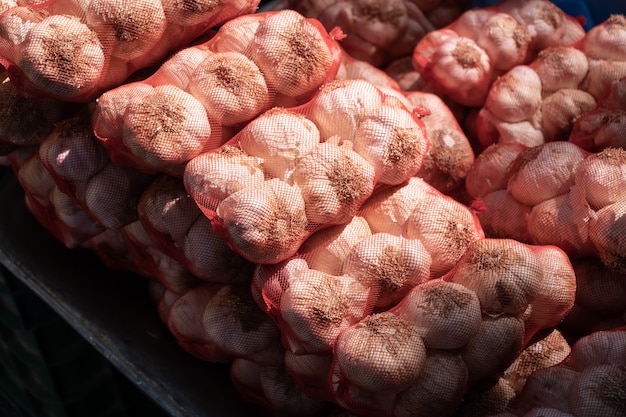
[[359, 225]]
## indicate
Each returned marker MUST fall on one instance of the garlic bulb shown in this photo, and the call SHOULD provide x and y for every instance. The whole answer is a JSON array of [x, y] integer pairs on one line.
[[335, 182], [607, 231], [599, 288], [266, 223], [489, 171], [166, 128], [211, 177], [51, 39], [606, 347], [502, 216], [327, 249], [381, 353], [561, 109], [390, 265], [393, 141], [280, 138], [318, 307], [544, 172], [599, 390], [602, 176], [504, 274], [560, 67], [445, 314], [130, 30], [435, 392], [445, 227], [230, 87], [547, 387], [292, 53], [607, 41]]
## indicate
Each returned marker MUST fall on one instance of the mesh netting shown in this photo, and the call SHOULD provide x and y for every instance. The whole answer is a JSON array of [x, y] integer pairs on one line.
[[75, 51], [203, 94], [292, 171]]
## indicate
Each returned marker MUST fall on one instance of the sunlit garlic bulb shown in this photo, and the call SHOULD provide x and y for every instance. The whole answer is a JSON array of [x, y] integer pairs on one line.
[[489, 171], [280, 138], [389, 209], [505, 40], [317, 307], [516, 95], [602, 176], [445, 227], [236, 35], [446, 314], [544, 172], [393, 142], [231, 88], [165, 128], [213, 176], [390, 265], [129, 29], [62, 55], [560, 67], [607, 40], [266, 223], [292, 53], [561, 109], [335, 181], [383, 352], [327, 249], [178, 69], [339, 106]]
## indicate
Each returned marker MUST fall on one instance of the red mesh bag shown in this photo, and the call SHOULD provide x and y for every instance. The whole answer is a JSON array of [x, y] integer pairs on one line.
[[205, 93], [462, 59], [80, 166], [220, 322], [153, 263], [75, 51], [178, 228], [54, 210], [292, 171]]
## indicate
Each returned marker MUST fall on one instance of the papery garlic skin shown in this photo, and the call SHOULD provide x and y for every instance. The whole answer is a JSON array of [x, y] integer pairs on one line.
[[515, 96], [393, 142], [266, 224], [561, 109], [601, 176], [279, 138], [446, 234], [291, 53], [494, 347], [489, 171], [434, 392], [599, 348], [607, 231], [49, 40], [502, 216], [317, 307], [165, 128], [503, 273], [607, 41], [560, 67], [327, 249]]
